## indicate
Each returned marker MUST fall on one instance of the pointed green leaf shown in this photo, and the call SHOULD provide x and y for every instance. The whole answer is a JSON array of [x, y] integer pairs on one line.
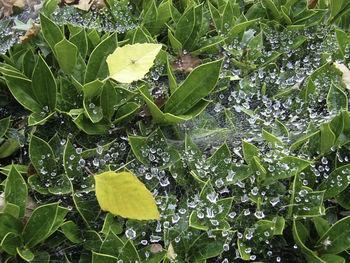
[[44, 85], [97, 67], [51, 31], [336, 239], [66, 53], [16, 190], [39, 224], [201, 81], [336, 99]]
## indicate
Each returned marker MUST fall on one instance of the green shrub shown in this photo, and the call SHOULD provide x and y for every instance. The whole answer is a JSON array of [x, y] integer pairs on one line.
[[247, 157]]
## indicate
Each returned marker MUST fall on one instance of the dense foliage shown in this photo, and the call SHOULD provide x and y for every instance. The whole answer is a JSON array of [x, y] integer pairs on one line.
[[240, 130]]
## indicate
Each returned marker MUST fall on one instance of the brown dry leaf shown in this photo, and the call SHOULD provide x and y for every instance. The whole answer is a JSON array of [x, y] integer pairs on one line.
[[31, 33], [30, 170], [171, 252], [7, 6], [346, 74], [84, 5], [185, 63], [99, 4], [311, 4], [69, 2], [160, 101], [155, 248]]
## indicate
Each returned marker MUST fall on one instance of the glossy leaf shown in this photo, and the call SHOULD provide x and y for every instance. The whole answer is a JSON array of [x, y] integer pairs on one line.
[[40, 224], [8, 223], [10, 243], [146, 150], [249, 151], [337, 237], [41, 156], [336, 182], [4, 125], [123, 194], [97, 67], [66, 54], [201, 81], [51, 32], [44, 85], [336, 99], [16, 190], [103, 258], [129, 252], [21, 89]]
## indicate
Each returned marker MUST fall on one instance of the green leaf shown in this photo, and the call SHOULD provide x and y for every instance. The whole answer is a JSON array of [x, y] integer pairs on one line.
[[87, 206], [336, 239], [206, 247], [271, 9], [21, 89], [335, 7], [171, 78], [71, 159], [129, 253], [175, 44], [38, 118], [188, 26], [336, 99], [49, 6], [91, 128], [332, 258], [342, 39], [26, 254], [235, 30], [280, 130], [108, 100], [40, 224], [327, 137], [271, 138], [44, 85], [41, 257], [112, 244], [66, 53], [51, 32], [61, 185], [126, 111], [343, 199], [154, 150], [10, 243], [201, 81], [102, 258], [321, 225], [79, 39], [336, 182], [97, 67], [71, 231], [42, 157], [306, 251], [4, 125], [207, 44], [8, 223], [249, 151], [16, 190], [11, 209]]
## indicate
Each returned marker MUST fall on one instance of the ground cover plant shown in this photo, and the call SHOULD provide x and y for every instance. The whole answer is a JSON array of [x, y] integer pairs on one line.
[[175, 131]]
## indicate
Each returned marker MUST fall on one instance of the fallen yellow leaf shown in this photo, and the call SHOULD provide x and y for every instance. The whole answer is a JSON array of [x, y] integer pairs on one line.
[[125, 195], [131, 62]]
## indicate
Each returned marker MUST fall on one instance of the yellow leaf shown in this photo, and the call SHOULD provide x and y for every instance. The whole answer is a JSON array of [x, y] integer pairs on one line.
[[123, 194], [131, 62]]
